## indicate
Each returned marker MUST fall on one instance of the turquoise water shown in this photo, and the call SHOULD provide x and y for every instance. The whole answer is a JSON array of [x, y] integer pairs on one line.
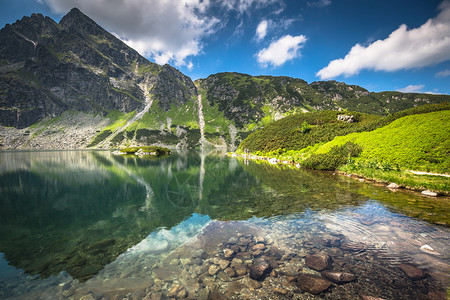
[[79, 224]]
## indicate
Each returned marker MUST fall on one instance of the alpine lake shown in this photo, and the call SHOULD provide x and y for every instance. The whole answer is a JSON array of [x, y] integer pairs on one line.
[[202, 225]]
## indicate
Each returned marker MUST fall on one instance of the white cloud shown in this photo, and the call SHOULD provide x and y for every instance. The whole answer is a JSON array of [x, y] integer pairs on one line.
[[280, 51], [167, 31], [417, 89], [261, 30], [444, 73], [412, 88], [405, 48], [244, 6], [263, 27], [320, 3]]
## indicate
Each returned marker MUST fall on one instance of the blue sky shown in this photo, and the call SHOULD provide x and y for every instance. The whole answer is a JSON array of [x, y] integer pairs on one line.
[[380, 45]]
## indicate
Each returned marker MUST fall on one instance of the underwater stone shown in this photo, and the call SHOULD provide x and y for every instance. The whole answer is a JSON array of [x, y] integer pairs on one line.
[[228, 253], [259, 269], [339, 277], [258, 247], [213, 269], [412, 271], [177, 291], [200, 253], [429, 250], [370, 298], [313, 284], [318, 262], [224, 264], [241, 270], [329, 241], [280, 291], [230, 272], [253, 284]]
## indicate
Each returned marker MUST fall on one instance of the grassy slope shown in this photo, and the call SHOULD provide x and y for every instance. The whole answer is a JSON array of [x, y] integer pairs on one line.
[[287, 134], [412, 139], [419, 142]]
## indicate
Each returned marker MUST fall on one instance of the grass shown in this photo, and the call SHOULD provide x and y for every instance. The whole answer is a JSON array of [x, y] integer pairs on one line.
[[118, 119], [402, 178], [153, 150], [418, 142], [379, 148]]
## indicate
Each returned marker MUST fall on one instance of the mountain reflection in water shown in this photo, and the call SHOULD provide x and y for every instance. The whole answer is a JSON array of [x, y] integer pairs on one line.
[[89, 213]]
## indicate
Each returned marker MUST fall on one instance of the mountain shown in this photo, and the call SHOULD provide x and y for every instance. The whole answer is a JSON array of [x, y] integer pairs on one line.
[[73, 85], [48, 68]]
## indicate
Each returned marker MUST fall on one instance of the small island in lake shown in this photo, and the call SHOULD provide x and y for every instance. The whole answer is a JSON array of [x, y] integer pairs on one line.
[[143, 150]]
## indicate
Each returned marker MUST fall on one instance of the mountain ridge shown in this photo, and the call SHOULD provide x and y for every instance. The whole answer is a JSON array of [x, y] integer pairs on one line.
[[51, 72]]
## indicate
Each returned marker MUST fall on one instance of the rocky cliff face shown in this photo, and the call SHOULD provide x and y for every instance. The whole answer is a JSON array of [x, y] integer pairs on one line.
[[48, 68]]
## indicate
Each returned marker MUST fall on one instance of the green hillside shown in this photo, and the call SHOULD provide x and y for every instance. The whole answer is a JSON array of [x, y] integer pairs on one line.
[[418, 142], [377, 147]]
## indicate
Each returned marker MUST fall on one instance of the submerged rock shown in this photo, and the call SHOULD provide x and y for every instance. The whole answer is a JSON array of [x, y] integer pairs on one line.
[[364, 297], [280, 291], [213, 269], [177, 291], [412, 271], [228, 253], [313, 284], [339, 277], [318, 262], [330, 241], [259, 269]]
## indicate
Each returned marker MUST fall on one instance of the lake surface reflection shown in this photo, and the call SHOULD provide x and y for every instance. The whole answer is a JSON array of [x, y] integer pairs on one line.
[[200, 225]]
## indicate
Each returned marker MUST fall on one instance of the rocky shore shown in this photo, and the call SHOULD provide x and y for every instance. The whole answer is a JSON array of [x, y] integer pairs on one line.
[[389, 185]]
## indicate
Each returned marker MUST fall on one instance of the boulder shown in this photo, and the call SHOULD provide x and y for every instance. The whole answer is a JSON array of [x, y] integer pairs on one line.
[[393, 185], [346, 118], [313, 284], [318, 262], [429, 193]]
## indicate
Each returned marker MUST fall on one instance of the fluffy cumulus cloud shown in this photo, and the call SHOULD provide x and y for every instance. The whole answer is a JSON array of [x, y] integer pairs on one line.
[[405, 48], [280, 51], [261, 30]]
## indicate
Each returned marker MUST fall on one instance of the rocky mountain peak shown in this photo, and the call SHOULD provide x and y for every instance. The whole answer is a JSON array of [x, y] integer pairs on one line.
[[77, 21]]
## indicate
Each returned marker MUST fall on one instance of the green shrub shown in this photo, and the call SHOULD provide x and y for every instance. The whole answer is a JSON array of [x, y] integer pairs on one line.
[[336, 157], [148, 149], [305, 127]]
